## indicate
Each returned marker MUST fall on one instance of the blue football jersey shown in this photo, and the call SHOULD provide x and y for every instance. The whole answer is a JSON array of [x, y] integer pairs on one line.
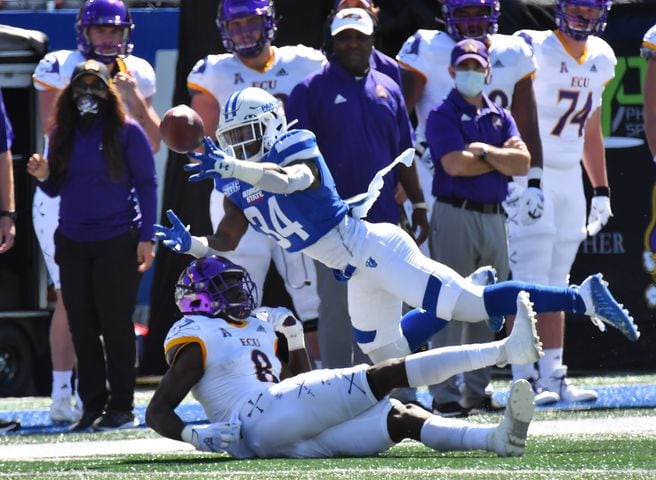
[[299, 219]]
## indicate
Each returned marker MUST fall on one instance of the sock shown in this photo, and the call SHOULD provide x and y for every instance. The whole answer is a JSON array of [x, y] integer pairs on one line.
[[524, 371], [552, 360], [435, 366], [449, 434], [419, 326], [501, 298], [61, 384]]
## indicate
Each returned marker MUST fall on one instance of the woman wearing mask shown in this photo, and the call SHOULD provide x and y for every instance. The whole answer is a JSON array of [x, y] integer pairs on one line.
[[101, 164]]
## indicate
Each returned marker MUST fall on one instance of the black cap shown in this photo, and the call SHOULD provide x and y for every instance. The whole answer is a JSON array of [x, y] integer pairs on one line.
[[91, 67]]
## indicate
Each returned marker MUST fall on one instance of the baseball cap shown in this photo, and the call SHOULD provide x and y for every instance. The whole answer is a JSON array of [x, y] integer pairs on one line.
[[470, 48], [352, 18], [91, 67]]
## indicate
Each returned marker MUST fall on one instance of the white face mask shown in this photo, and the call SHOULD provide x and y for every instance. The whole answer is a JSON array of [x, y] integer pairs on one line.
[[470, 82]]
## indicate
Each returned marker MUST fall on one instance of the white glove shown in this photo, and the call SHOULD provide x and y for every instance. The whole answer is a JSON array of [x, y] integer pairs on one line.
[[285, 322], [600, 212], [531, 206], [215, 437]]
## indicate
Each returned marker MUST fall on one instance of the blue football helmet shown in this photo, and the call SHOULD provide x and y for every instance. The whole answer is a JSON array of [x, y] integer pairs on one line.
[[462, 26], [214, 286], [577, 26], [104, 12], [233, 9]]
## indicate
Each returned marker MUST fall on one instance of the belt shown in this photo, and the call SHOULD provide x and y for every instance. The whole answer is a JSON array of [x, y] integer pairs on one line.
[[472, 205]]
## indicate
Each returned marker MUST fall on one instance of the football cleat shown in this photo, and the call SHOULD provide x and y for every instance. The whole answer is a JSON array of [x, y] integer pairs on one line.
[[61, 411], [523, 346], [558, 384], [508, 439], [542, 396], [603, 308], [487, 275]]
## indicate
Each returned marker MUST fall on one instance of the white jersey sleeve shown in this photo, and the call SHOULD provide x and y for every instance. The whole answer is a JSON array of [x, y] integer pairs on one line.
[[511, 60], [428, 53], [221, 75], [567, 90], [238, 359], [648, 49], [142, 72]]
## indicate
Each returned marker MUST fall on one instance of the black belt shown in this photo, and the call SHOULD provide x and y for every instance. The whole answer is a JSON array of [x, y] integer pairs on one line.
[[472, 205]]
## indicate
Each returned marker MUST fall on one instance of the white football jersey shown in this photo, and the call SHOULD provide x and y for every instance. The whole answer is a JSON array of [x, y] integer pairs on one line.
[[239, 360], [221, 75], [55, 69], [568, 91], [648, 49], [428, 52]]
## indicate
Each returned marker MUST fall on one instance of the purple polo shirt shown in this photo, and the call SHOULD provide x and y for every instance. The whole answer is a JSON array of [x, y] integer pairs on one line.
[[6, 132], [361, 125], [454, 124], [96, 207]]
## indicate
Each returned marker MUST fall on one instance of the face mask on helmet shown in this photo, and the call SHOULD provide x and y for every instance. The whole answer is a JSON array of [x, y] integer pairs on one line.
[[214, 286], [246, 25], [582, 18], [104, 13], [471, 18], [251, 121]]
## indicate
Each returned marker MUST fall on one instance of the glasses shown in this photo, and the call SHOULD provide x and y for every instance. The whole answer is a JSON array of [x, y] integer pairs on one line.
[[94, 87]]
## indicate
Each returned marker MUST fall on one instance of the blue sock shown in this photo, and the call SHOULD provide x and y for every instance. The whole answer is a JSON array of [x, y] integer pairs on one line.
[[419, 326], [501, 298]]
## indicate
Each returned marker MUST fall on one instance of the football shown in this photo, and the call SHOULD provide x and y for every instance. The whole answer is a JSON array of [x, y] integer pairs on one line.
[[182, 129]]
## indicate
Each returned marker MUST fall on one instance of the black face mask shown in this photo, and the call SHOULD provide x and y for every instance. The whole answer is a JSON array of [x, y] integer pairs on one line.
[[89, 106]]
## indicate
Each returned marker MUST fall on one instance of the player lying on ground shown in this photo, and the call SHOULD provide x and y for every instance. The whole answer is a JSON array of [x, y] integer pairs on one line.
[[277, 180], [225, 353]]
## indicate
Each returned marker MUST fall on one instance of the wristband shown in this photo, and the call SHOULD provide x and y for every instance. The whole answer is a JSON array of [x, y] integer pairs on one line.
[[535, 177], [601, 192], [311, 325], [420, 206], [8, 213], [198, 247]]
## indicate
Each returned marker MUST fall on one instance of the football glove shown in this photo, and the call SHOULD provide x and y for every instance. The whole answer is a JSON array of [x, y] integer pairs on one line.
[[283, 321], [600, 212], [531, 206], [176, 237], [215, 437], [211, 164]]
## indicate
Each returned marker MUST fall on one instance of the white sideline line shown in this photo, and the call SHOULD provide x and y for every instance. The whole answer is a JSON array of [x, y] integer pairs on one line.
[[64, 450]]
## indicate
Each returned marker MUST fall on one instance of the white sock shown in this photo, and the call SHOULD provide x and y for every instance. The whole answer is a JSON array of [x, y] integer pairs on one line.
[[61, 384], [524, 371], [552, 359], [435, 366], [449, 434]]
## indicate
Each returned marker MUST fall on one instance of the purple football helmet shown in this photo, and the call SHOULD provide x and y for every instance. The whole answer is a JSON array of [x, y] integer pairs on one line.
[[104, 12], [478, 27], [232, 9], [577, 26], [214, 286]]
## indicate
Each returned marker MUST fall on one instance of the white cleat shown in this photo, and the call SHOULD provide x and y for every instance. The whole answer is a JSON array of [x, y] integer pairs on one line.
[[508, 439], [61, 411], [559, 385], [523, 346], [542, 396]]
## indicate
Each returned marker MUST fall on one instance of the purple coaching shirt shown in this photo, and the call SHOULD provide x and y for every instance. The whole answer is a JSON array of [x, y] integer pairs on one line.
[[6, 132], [451, 127], [361, 125]]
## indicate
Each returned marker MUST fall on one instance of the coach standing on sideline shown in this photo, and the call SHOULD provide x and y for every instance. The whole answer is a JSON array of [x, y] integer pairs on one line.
[[360, 120], [476, 147]]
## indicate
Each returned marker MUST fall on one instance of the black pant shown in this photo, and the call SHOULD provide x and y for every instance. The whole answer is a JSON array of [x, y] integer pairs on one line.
[[99, 282]]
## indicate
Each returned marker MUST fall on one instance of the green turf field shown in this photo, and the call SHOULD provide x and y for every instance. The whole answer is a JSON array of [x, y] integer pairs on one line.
[[599, 444]]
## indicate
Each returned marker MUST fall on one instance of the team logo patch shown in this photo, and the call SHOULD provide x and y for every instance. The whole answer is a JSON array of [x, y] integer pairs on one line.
[[47, 65], [371, 263], [563, 67], [593, 68], [282, 73], [381, 92], [498, 64], [238, 79]]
